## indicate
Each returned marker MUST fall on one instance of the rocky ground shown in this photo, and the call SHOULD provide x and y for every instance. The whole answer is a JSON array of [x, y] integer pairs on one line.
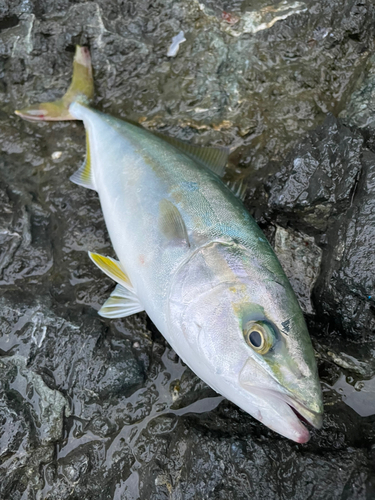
[[98, 409]]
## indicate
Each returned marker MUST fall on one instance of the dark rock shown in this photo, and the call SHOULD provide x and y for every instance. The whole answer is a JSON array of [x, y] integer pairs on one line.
[[326, 186], [31, 423], [212, 458], [359, 110], [301, 259], [318, 179], [348, 286], [25, 243]]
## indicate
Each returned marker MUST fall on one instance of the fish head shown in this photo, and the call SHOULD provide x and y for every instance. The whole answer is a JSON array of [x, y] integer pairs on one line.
[[242, 331]]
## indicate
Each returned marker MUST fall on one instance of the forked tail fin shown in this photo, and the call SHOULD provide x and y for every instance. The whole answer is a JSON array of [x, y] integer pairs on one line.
[[81, 90]]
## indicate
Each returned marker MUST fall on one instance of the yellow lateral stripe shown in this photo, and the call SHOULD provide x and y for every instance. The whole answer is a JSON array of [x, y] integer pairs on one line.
[[110, 267]]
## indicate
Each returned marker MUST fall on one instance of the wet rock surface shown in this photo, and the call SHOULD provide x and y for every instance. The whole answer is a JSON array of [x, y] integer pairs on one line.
[[326, 187], [99, 409], [301, 259]]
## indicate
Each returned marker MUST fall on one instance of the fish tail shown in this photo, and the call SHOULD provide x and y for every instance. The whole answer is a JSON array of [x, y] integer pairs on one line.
[[81, 90]]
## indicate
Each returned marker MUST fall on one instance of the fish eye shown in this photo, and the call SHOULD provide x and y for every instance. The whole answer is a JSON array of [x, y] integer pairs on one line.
[[258, 337]]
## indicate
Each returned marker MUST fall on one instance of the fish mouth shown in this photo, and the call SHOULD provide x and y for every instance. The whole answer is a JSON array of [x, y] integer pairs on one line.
[[298, 413], [303, 413], [278, 407]]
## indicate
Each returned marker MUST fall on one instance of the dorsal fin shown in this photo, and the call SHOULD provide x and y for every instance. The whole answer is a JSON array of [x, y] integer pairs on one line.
[[83, 176], [238, 188], [171, 223], [215, 159]]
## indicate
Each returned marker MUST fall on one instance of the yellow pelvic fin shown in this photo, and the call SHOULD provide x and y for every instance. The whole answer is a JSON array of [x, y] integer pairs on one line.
[[111, 268], [171, 223], [84, 176], [215, 159], [81, 89]]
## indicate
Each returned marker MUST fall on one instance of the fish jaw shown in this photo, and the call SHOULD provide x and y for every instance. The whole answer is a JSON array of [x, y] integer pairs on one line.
[[272, 407], [277, 414], [313, 418], [287, 422], [286, 405], [258, 393]]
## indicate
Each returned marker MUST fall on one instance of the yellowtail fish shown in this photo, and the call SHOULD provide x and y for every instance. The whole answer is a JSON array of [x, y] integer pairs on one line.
[[191, 256]]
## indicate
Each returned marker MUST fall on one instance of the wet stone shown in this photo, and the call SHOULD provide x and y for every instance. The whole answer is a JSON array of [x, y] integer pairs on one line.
[[44, 405], [319, 177], [360, 108], [351, 283], [208, 464], [31, 422], [13, 430], [326, 187], [301, 259], [25, 246], [77, 471]]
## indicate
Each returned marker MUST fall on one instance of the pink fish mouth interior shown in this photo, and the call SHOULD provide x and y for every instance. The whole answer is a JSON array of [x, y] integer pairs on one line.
[[301, 417], [303, 413]]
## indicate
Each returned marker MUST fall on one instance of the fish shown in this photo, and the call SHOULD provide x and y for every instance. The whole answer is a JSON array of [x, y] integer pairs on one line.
[[192, 257]]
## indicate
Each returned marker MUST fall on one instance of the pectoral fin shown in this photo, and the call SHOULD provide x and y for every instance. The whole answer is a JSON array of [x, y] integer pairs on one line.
[[121, 303], [112, 268], [171, 223]]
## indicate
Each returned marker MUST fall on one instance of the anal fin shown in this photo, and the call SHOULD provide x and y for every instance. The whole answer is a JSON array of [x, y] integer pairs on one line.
[[121, 303], [84, 175]]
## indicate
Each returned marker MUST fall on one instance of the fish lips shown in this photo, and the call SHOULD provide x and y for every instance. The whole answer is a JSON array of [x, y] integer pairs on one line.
[[313, 418], [278, 407], [297, 413], [301, 411]]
